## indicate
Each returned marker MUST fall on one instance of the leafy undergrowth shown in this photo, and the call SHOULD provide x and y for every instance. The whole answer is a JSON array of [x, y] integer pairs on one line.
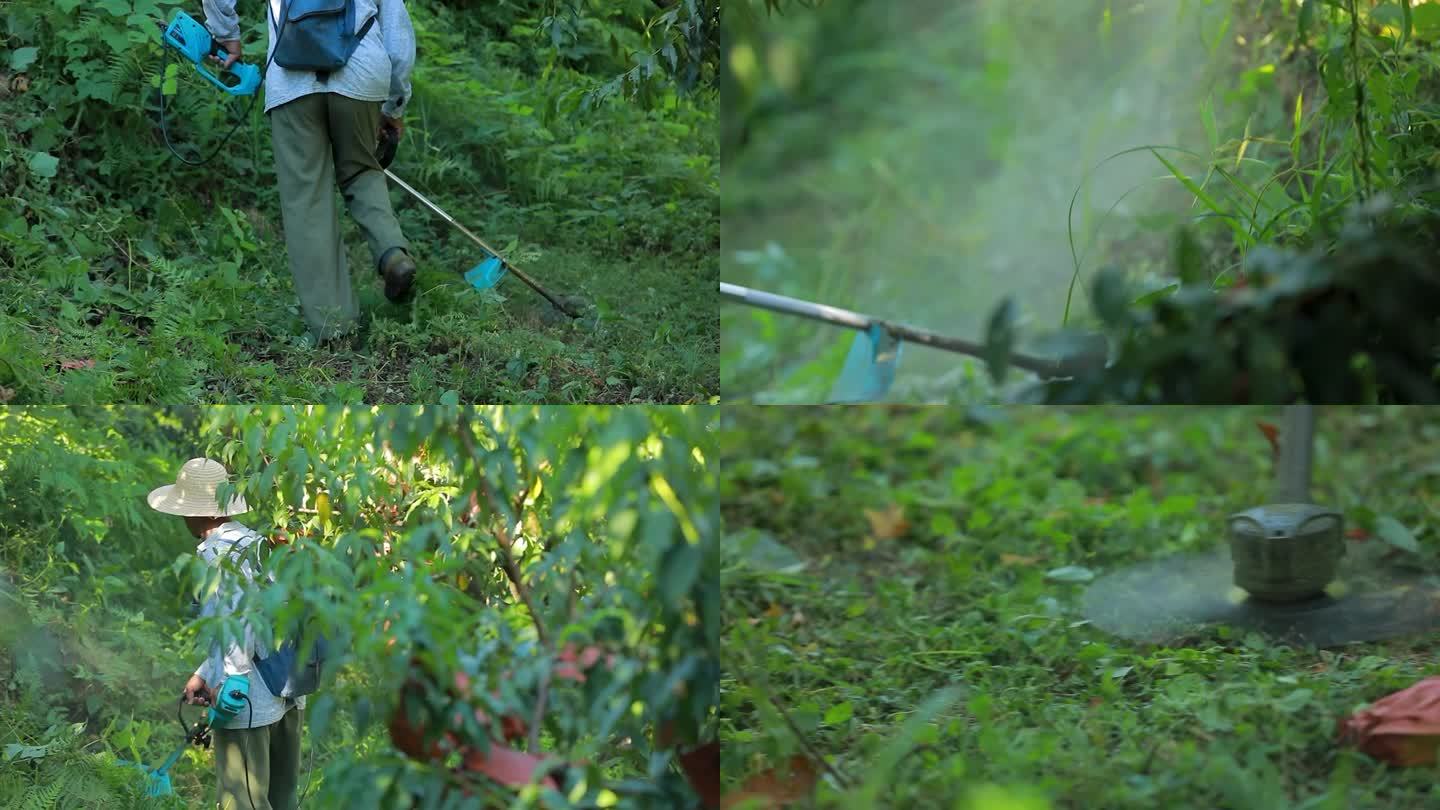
[[893, 590], [126, 275]]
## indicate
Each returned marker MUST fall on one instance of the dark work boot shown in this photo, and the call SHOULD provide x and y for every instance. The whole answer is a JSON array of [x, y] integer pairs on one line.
[[398, 270]]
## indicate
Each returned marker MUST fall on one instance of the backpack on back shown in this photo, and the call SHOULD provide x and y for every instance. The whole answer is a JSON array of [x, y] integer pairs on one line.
[[317, 35], [286, 672]]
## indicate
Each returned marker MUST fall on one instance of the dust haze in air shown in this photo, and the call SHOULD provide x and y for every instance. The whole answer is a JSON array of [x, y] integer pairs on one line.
[[920, 164]]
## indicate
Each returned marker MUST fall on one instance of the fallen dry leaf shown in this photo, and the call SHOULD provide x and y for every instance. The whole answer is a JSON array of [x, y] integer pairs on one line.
[[507, 766], [1017, 559], [702, 770], [1401, 729], [71, 365], [1272, 435], [1155, 480], [6, 394], [888, 523], [775, 788]]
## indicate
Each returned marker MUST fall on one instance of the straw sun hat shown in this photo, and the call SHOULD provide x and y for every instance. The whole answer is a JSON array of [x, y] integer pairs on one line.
[[193, 493]]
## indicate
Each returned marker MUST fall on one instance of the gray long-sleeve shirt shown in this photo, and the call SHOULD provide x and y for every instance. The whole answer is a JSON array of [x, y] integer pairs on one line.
[[379, 70]]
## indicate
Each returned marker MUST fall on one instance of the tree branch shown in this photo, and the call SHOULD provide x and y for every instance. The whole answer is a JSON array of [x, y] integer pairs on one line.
[[507, 559]]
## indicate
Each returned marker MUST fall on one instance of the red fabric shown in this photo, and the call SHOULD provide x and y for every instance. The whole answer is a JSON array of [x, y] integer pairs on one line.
[[1402, 728], [516, 768]]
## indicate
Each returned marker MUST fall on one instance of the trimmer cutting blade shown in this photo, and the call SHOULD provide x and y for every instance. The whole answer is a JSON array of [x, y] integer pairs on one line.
[[1287, 572], [1375, 596]]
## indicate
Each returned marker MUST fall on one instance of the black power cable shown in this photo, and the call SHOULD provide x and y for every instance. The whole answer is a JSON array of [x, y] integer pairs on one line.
[[249, 724], [180, 718], [310, 773]]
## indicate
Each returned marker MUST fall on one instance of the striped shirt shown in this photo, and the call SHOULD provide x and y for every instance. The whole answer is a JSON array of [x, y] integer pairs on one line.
[[379, 70]]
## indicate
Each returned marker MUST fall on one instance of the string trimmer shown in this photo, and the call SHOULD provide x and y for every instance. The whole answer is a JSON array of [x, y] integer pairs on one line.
[[1287, 571], [870, 366], [493, 267], [233, 696], [189, 38]]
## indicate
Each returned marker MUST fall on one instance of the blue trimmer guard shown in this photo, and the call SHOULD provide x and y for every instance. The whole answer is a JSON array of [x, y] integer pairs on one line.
[[486, 274], [869, 368]]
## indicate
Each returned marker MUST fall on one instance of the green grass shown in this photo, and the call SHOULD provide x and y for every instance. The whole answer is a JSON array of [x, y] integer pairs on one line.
[[941, 668], [198, 334]]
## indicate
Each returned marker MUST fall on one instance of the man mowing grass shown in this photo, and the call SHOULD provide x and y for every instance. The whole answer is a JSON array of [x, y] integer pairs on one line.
[[325, 127], [257, 754]]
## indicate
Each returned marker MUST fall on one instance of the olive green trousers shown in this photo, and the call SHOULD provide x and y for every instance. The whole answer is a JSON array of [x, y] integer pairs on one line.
[[260, 765], [321, 141]]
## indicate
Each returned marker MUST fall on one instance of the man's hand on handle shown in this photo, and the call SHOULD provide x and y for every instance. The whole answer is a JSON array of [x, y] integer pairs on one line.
[[196, 694], [232, 49], [395, 125]]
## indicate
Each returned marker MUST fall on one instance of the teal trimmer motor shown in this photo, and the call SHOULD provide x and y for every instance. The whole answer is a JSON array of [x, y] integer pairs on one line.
[[233, 697], [191, 39]]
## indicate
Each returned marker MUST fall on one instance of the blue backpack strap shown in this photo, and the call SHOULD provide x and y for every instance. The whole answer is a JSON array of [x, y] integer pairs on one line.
[[358, 36]]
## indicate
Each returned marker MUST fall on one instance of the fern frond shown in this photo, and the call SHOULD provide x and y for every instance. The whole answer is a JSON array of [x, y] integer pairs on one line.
[[47, 796]]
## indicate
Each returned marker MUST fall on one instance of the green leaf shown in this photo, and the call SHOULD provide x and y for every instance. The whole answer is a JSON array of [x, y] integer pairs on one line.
[[1207, 117], [362, 715], [1155, 295], [678, 573], [1426, 20], [839, 713], [1189, 184], [878, 779], [1296, 132], [14, 751], [1295, 701], [1000, 339], [1070, 573], [322, 710], [1394, 532], [22, 58], [43, 164], [451, 398], [1190, 258], [1110, 296], [762, 552]]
